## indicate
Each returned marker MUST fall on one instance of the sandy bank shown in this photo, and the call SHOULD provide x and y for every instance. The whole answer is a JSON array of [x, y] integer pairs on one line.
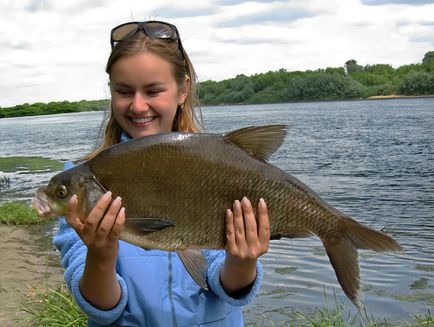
[[27, 259], [397, 96]]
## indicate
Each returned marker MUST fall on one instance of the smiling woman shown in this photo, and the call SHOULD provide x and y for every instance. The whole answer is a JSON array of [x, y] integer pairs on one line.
[[152, 86]]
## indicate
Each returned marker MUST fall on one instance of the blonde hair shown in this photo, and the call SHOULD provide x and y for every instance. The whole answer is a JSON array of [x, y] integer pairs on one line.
[[188, 117]]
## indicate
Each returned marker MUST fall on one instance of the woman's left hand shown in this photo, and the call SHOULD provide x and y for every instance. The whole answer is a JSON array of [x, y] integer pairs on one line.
[[247, 240]]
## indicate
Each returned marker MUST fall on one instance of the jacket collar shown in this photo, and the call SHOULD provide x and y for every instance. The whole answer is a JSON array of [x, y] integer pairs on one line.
[[125, 137]]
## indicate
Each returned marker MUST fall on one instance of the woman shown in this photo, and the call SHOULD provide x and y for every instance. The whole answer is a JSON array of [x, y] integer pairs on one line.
[[152, 85]]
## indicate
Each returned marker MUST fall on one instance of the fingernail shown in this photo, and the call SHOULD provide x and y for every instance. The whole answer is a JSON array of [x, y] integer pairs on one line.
[[245, 201], [107, 196], [262, 203], [117, 201]]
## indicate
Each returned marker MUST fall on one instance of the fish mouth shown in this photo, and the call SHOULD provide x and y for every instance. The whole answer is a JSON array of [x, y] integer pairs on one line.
[[41, 205]]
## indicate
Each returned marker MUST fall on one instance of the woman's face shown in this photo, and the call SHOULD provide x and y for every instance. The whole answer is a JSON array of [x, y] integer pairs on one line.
[[144, 94]]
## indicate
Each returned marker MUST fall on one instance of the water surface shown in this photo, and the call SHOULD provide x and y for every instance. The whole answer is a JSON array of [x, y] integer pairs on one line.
[[374, 160]]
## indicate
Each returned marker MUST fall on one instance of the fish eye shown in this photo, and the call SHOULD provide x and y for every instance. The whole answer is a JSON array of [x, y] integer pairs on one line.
[[61, 191]]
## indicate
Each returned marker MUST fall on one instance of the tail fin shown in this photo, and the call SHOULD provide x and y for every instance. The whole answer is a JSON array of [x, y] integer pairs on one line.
[[344, 258]]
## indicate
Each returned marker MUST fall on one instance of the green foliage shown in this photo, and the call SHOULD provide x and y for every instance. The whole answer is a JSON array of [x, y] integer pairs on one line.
[[417, 83], [405, 69], [40, 108], [18, 213], [323, 86], [352, 81], [281, 86], [351, 66], [52, 307], [428, 61]]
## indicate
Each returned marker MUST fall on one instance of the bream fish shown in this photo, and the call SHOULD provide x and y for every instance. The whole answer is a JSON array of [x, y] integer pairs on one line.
[[176, 188]]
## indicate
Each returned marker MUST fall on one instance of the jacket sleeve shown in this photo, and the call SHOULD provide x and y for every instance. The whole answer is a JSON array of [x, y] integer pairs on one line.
[[73, 253], [216, 259]]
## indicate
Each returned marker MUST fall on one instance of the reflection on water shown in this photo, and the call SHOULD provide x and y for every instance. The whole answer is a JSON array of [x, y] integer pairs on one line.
[[374, 160]]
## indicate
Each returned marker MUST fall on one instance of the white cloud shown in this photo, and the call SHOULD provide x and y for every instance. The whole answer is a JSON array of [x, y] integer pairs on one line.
[[57, 49]]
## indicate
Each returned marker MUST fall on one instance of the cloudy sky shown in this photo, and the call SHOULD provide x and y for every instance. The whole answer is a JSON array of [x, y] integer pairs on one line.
[[53, 50]]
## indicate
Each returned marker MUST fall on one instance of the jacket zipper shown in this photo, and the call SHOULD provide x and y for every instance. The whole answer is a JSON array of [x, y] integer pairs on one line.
[[172, 304]]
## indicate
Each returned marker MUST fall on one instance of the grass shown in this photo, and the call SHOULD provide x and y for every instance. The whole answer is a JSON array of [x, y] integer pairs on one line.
[[338, 317], [51, 307], [18, 213], [56, 308], [424, 320], [334, 315]]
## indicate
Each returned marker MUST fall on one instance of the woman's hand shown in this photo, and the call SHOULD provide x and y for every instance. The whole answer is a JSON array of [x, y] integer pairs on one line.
[[102, 228], [247, 240], [100, 232]]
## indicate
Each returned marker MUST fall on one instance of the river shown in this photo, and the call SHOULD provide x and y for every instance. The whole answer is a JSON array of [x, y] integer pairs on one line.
[[372, 159]]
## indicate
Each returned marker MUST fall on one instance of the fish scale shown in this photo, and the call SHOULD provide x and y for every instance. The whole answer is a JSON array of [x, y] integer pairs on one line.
[[176, 188]]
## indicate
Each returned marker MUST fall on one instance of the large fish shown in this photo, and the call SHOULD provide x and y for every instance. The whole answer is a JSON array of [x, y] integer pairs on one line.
[[176, 188]]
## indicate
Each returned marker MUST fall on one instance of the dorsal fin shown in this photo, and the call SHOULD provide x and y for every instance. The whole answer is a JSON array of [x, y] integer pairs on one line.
[[260, 141]]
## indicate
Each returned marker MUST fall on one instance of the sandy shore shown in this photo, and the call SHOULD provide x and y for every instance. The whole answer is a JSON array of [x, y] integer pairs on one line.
[[27, 260], [395, 96]]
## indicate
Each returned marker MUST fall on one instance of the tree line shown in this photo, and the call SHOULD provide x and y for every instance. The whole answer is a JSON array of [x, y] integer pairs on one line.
[[352, 81], [55, 107]]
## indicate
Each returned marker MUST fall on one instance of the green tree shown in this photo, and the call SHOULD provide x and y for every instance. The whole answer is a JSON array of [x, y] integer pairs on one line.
[[323, 86], [417, 83], [351, 66], [428, 61]]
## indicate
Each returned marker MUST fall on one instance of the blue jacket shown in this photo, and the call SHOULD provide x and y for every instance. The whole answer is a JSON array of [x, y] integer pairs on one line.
[[156, 290]]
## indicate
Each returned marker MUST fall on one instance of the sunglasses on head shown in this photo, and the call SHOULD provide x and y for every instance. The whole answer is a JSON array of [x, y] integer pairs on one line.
[[152, 28]]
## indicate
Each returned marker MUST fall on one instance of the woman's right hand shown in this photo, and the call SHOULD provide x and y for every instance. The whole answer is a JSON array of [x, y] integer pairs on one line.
[[100, 232], [102, 228]]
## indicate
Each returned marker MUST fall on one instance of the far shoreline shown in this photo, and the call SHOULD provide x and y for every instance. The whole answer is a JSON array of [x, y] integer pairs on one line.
[[104, 107]]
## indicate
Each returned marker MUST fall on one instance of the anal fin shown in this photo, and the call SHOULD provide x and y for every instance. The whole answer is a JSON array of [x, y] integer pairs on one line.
[[196, 265]]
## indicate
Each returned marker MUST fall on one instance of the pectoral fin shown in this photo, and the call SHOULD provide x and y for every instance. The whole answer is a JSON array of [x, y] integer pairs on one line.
[[196, 265], [147, 225]]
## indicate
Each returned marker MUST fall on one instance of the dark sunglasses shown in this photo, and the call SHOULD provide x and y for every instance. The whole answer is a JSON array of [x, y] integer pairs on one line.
[[152, 28]]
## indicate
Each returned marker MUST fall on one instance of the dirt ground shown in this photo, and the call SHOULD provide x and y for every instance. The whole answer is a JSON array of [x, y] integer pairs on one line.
[[27, 259]]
